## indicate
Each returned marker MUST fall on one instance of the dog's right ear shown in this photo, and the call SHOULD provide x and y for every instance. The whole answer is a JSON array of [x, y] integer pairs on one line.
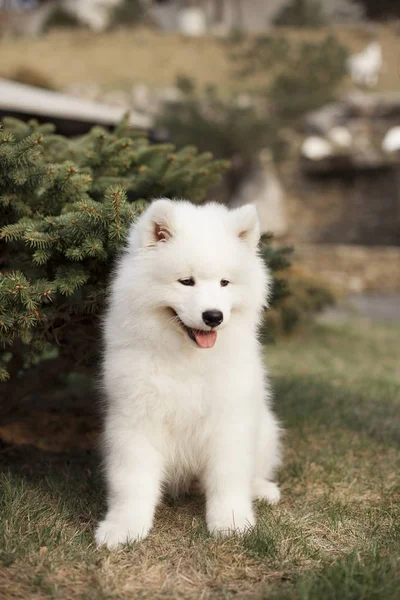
[[158, 223]]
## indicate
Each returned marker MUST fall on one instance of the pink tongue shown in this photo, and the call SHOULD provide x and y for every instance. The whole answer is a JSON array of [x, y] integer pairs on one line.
[[205, 339]]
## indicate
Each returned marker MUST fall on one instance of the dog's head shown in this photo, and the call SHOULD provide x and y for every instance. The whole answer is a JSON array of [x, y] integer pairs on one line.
[[198, 266]]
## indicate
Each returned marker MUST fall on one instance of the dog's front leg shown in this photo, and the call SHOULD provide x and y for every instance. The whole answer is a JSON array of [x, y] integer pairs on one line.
[[133, 472], [228, 481]]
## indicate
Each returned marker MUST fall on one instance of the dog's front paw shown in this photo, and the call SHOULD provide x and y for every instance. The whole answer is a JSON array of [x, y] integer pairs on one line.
[[227, 524], [266, 490], [115, 533]]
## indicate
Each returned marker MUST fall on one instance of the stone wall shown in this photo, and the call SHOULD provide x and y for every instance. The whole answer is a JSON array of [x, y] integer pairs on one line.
[[349, 208], [349, 194], [353, 268]]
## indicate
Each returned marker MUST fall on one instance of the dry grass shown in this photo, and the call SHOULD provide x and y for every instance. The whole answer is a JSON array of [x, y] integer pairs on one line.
[[335, 535], [112, 59], [124, 57]]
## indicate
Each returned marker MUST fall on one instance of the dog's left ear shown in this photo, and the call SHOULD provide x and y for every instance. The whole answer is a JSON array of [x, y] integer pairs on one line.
[[247, 225], [159, 223]]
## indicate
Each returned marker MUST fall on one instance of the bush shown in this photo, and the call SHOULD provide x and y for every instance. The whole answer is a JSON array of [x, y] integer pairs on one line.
[[297, 294], [304, 296], [305, 75], [288, 79], [301, 13], [223, 126], [129, 12], [292, 79]]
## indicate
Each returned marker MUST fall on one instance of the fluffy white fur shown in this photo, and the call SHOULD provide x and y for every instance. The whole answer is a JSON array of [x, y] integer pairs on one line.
[[176, 411]]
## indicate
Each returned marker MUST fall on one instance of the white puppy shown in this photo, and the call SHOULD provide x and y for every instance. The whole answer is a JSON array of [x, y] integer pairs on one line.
[[187, 394]]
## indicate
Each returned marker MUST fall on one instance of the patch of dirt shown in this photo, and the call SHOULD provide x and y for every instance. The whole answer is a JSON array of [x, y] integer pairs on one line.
[[52, 432]]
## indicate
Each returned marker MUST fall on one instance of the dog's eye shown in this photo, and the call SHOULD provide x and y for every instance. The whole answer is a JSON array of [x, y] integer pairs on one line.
[[189, 281], [224, 282]]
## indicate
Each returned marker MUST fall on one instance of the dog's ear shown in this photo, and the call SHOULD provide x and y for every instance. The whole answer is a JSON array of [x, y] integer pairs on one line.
[[158, 223], [247, 225]]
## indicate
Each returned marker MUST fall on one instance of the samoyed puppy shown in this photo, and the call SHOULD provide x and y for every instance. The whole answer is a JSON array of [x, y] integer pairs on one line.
[[187, 394]]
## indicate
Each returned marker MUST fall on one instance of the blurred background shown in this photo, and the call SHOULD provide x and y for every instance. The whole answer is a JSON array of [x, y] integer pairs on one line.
[[302, 98]]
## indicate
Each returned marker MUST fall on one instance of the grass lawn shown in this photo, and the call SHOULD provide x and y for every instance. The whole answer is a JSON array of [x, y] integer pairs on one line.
[[335, 535]]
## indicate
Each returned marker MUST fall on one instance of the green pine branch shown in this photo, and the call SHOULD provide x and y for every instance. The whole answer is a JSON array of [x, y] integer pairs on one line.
[[65, 208]]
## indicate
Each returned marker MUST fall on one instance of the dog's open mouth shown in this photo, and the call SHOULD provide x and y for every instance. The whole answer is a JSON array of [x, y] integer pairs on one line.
[[204, 339]]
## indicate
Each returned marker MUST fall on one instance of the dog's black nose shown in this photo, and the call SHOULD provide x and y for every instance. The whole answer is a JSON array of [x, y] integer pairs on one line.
[[213, 318]]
